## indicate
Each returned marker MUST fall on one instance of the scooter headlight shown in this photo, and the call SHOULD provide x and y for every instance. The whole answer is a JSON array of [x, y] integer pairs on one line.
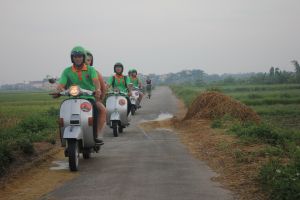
[[74, 90], [116, 91]]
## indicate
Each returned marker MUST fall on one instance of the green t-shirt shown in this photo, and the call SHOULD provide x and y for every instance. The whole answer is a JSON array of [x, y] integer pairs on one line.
[[134, 81], [83, 78], [119, 82]]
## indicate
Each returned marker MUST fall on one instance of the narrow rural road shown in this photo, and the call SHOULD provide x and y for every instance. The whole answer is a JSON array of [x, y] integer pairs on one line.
[[140, 165]]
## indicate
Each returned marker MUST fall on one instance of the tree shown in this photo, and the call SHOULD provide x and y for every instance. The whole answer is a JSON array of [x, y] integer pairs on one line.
[[229, 80], [272, 72], [297, 70], [199, 82], [277, 72]]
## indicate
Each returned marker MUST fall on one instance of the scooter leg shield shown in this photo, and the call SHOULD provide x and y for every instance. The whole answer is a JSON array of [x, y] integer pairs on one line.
[[115, 116], [73, 132], [133, 101]]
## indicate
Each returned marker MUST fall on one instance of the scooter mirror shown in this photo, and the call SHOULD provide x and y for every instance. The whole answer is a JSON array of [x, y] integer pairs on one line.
[[52, 80]]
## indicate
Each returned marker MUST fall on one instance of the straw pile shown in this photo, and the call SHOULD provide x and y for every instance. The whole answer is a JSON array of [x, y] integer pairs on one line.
[[213, 105]]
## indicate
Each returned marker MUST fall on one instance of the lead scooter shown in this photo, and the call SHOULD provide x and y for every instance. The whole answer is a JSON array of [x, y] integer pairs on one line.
[[117, 115], [78, 125]]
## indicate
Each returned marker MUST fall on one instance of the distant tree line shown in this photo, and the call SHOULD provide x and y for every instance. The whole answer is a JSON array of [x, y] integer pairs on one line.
[[198, 77], [274, 76]]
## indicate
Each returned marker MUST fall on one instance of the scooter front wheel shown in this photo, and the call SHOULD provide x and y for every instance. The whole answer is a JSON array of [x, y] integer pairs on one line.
[[115, 128], [73, 153], [133, 109]]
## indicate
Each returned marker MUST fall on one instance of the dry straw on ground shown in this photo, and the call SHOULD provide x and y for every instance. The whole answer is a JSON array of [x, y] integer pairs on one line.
[[212, 105]]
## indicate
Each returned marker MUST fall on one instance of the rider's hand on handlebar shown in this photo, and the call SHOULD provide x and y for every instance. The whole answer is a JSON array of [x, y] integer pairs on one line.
[[98, 94], [55, 95]]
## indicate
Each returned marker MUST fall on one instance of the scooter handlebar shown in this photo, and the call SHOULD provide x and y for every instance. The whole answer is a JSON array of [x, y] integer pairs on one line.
[[113, 93], [67, 93], [58, 94], [86, 92], [137, 89]]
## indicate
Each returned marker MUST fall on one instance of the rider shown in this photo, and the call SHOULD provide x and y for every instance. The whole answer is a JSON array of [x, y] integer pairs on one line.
[[121, 82], [136, 83], [90, 61], [148, 80], [129, 73], [85, 77], [148, 85]]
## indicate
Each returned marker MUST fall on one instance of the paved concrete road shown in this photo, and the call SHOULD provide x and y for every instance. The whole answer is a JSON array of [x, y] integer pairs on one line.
[[142, 165]]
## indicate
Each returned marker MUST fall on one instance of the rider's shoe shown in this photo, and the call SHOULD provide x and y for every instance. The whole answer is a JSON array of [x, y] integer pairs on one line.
[[66, 153], [99, 141]]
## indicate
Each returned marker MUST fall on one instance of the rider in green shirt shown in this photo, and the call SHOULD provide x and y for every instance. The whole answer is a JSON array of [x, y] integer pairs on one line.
[[90, 61], [84, 76], [129, 73], [137, 83], [120, 82]]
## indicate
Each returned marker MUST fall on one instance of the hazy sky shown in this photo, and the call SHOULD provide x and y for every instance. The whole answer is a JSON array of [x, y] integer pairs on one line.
[[154, 36]]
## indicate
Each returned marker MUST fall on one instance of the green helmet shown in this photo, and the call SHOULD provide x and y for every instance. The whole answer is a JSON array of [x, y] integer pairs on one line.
[[133, 71], [88, 53], [78, 50]]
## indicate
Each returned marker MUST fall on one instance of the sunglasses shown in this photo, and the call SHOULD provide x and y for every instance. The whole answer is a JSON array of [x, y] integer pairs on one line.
[[78, 56]]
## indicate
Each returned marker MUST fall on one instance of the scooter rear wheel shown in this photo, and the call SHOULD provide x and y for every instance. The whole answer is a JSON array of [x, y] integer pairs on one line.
[[115, 128], [73, 153]]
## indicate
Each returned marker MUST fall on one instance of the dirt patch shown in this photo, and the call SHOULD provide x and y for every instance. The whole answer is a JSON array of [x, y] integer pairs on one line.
[[37, 181], [149, 125], [211, 105], [42, 152], [182, 110], [42, 147], [236, 163], [30, 177]]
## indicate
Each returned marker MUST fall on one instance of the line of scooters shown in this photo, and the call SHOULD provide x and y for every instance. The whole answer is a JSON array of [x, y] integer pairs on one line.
[[78, 120]]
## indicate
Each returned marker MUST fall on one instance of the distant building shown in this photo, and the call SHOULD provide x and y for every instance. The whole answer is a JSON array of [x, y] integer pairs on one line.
[[48, 86], [36, 84], [31, 85]]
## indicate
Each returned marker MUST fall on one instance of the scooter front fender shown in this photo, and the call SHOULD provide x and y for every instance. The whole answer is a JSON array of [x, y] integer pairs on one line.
[[133, 101], [73, 132]]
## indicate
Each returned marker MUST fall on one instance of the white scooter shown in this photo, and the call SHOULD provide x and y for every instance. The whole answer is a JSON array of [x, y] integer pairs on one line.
[[134, 99], [78, 125], [117, 116]]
